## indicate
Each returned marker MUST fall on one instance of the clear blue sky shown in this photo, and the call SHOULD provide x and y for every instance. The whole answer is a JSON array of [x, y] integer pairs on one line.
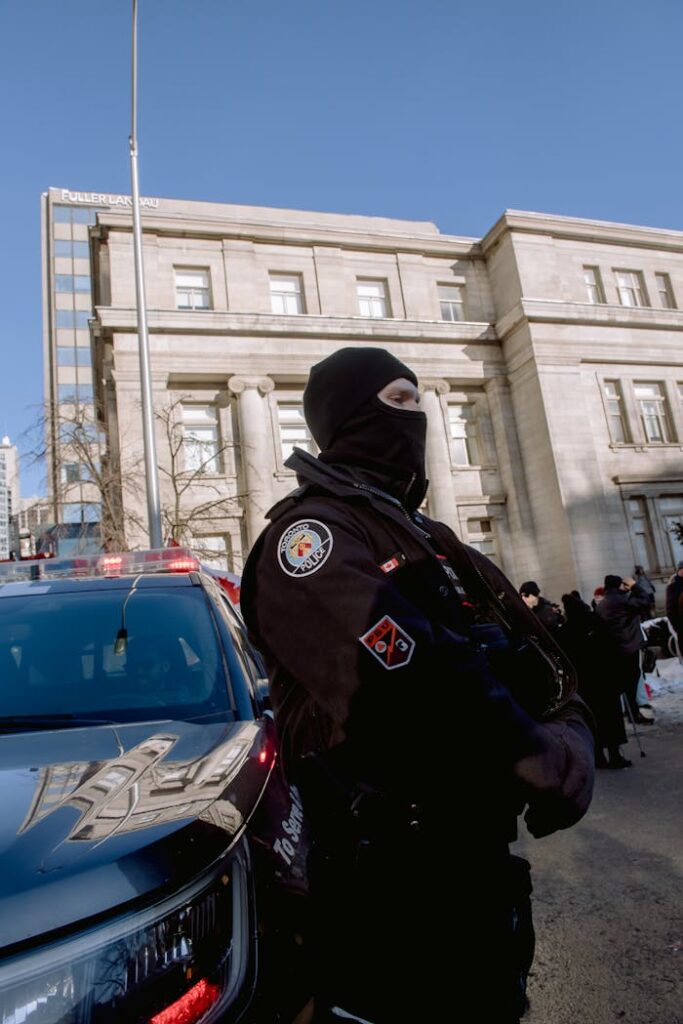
[[444, 110]]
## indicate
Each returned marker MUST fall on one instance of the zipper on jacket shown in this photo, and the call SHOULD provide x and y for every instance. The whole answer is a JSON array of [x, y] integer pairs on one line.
[[392, 501]]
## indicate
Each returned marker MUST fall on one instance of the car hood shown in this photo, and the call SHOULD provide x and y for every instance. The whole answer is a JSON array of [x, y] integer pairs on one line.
[[95, 818]]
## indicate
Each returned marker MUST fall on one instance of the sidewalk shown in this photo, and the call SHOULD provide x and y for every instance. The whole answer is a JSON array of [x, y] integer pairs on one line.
[[607, 891], [667, 690]]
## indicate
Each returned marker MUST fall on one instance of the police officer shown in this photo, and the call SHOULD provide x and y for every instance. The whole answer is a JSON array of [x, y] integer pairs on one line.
[[377, 625]]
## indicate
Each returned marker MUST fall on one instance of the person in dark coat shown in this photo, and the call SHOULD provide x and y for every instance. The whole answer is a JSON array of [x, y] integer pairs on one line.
[[674, 603], [620, 610], [361, 607], [588, 645], [544, 610]]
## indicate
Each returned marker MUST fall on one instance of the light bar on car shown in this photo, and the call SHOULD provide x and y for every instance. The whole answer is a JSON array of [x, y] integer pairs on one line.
[[126, 563]]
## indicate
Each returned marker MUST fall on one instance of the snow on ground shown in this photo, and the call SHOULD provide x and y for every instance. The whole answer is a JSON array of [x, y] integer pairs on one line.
[[666, 684]]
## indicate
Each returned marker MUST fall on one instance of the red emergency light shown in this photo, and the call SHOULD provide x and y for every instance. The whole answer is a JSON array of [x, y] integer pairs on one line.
[[124, 563], [191, 1006]]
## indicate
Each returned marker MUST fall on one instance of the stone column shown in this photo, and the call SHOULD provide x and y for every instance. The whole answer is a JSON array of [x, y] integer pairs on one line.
[[508, 455], [255, 449], [441, 495]]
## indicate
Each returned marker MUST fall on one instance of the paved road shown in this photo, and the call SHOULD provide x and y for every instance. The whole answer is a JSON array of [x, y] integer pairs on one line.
[[608, 899]]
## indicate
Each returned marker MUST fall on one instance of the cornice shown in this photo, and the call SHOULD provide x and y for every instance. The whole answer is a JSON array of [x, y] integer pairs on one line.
[[629, 481], [301, 326], [556, 311], [479, 499], [183, 225], [578, 229]]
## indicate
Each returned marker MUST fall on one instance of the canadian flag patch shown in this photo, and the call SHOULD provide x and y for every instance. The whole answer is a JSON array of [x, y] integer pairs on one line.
[[390, 644], [393, 563]]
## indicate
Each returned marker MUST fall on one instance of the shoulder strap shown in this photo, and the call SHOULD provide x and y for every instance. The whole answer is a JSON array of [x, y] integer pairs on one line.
[[553, 680]]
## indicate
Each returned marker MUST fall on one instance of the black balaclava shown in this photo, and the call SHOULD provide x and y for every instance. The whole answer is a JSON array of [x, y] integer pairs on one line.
[[355, 428]]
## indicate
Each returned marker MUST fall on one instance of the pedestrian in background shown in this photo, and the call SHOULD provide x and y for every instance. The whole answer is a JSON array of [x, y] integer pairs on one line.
[[545, 611], [361, 607], [674, 603], [588, 644], [621, 609]]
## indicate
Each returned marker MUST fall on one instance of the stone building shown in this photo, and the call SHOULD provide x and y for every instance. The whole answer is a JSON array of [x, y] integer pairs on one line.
[[548, 352]]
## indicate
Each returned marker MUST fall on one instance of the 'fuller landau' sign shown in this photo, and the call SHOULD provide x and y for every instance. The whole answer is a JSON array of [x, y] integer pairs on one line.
[[103, 198]]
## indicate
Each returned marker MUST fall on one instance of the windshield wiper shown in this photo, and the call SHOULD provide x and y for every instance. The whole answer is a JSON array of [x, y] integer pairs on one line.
[[9, 722]]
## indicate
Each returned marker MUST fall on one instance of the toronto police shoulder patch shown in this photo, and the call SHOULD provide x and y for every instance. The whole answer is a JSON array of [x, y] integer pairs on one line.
[[304, 547]]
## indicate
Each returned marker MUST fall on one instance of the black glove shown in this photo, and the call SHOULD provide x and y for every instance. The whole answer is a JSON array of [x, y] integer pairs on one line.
[[557, 779]]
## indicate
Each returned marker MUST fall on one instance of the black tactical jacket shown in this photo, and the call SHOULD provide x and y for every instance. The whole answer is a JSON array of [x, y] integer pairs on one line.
[[387, 640]]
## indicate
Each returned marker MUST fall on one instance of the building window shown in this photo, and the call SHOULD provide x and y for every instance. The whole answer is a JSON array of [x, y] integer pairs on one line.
[[66, 355], [81, 429], [293, 429], [452, 301], [641, 532], [631, 288], [72, 283], [286, 293], [480, 535], [671, 511], [213, 549], [614, 404], [65, 318], [61, 214], [69, 355], [593, 282], [201, 448], [372, 298], [79, 250], [81, 512], [67, 393], [665, 291], [72, 472], [69, 318], [463, 429], [654, 413], [192, 289], [74, 214]]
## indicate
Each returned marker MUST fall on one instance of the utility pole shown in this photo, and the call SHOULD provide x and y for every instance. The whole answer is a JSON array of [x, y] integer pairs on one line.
[[151, 472]]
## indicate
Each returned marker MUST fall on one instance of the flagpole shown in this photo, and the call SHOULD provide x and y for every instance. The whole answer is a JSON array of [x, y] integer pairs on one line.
[[151, 472]]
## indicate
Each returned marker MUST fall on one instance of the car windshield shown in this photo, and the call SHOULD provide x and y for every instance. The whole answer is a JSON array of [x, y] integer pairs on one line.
[[119, 655]]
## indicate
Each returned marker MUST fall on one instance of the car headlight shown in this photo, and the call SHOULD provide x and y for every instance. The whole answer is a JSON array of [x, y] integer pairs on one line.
[[183, 961]]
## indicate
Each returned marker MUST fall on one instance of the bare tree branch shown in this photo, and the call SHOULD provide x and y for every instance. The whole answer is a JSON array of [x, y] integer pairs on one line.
[[67, 439], [185, 515]]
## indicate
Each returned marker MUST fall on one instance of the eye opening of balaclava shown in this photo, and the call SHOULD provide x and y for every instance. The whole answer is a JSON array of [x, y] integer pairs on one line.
[[353, 427]]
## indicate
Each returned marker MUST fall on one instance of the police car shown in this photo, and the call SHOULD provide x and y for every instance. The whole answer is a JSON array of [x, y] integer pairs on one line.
[[151, 859]]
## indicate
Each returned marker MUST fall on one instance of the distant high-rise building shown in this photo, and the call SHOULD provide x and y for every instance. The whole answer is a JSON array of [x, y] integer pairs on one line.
[[75, 442], [9, 496], [33, 521]]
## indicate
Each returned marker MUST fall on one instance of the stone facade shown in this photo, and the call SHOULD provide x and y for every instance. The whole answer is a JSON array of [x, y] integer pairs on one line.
[[548, 352]]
